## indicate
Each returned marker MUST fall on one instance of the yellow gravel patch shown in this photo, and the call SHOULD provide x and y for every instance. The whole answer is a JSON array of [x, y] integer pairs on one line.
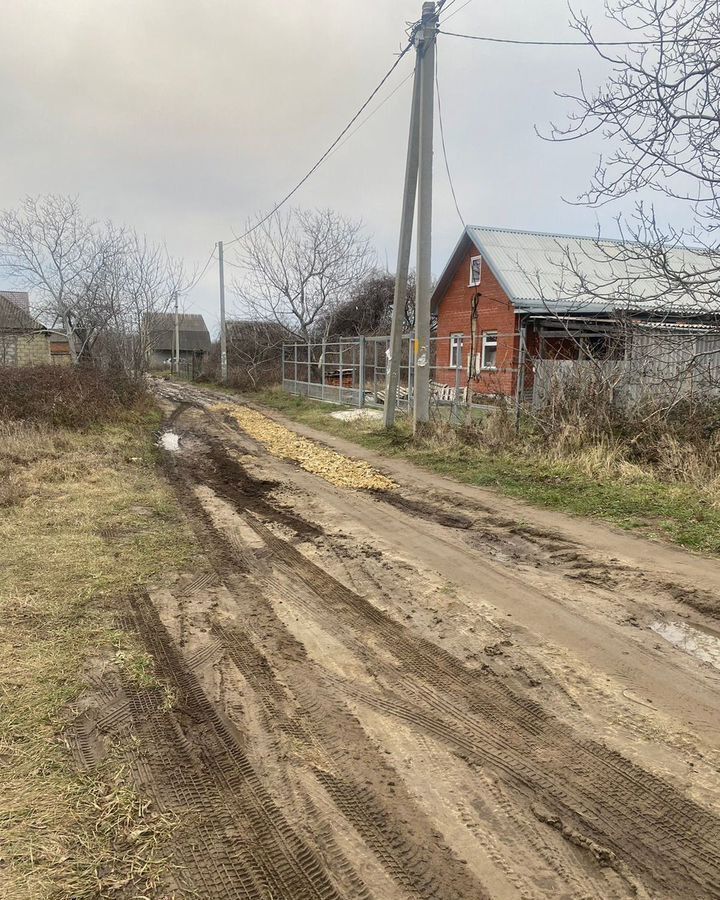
[[280, 441]]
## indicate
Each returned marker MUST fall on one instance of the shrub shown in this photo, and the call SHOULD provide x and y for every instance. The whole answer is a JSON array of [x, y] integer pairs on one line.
[[74, 397]]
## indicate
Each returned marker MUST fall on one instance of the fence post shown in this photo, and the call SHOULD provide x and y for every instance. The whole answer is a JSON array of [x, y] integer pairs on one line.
[[309, 367], [322, 369], [296, 365], [361, 398], [520, 385], [411, 371], [456, 395], [375, 345]]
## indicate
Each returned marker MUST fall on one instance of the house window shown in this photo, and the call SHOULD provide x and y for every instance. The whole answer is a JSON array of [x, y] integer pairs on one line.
[[489, 350], [475, 271], [456, 342]]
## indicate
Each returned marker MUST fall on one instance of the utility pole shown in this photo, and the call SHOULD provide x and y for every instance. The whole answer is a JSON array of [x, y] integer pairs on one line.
[[418, 176], [177, 337], [223, 330], [426, 59], [394, 351]]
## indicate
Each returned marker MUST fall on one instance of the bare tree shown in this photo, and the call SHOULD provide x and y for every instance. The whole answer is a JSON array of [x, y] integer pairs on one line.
[[104, 283], [255, 350], [150, 278], [659, 113], [48, 246], [299, 265], [369, 308]]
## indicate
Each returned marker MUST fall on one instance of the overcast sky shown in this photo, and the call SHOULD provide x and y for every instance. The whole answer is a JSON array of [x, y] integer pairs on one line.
[[185, 117]]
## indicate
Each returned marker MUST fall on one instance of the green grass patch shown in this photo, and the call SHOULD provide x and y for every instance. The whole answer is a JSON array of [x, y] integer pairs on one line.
[[674, 511]]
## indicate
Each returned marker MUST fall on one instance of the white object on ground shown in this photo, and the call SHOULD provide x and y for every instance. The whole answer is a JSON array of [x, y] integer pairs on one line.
[[352, 415], [693, 641], [169, 441]]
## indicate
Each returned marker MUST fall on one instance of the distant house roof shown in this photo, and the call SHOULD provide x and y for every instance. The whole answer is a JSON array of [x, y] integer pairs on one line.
[[193, 332], [19, 298], [538, 272], [14, 318]]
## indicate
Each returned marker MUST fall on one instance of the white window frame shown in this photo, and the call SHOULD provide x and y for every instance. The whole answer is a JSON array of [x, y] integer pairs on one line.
[[473, 260], [489, 339], [456, 349]]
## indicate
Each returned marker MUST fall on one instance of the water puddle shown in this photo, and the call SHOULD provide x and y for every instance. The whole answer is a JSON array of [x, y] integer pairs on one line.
[[701, 645], [168, 440]]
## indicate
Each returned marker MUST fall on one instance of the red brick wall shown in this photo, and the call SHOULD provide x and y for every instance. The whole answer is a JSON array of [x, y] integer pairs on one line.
[[495, 313]]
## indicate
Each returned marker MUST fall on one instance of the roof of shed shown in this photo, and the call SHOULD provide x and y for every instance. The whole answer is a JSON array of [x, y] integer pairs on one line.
[[538, 272], [194, 334], [14, 318], [19, 298]]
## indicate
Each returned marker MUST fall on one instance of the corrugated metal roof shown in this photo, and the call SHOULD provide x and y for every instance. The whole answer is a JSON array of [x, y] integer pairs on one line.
[[193, 331], [19, 298], [544, 272], [187, 321], [14, 318]]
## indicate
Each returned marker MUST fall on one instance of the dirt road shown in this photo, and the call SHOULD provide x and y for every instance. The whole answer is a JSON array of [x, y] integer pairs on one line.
[[415, 689]]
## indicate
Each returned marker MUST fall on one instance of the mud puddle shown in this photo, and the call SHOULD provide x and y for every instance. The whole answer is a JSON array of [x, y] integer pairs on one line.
[[701, 644]]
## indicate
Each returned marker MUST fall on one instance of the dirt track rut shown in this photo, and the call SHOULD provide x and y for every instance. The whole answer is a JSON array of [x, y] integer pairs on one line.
[[349, 709]]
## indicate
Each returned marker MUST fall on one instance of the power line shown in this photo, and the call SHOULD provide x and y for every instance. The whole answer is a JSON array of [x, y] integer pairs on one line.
[[459, 9], [198, 278], [442, 141], [329, 149], [496, 40], [374, 110]]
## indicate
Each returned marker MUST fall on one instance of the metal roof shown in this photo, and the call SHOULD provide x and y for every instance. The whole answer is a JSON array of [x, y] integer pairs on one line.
[[14, 318], [545, 272], [19, 298], [193, 331]]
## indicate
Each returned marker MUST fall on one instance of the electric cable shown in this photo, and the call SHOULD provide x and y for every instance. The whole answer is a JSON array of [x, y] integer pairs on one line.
[[329, 150], [442, 141], [529, 43]]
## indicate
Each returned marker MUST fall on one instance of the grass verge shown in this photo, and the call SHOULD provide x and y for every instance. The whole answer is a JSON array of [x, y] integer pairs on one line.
[[674, 511], [85, 521]]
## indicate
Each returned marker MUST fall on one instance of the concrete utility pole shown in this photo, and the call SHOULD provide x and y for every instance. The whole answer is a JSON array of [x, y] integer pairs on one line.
[[223, 330], [177, 337], [394, 352], [419, 161], [421, 394]]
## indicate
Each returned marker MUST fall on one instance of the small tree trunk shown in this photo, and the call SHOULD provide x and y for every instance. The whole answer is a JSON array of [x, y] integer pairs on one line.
[[67, 327]]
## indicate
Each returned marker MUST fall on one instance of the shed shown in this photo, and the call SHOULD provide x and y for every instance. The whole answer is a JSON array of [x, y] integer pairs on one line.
[[23, 340], [195, 340]]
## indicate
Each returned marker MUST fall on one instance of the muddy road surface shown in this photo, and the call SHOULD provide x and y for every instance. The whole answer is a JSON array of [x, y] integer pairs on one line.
[[404, 688]]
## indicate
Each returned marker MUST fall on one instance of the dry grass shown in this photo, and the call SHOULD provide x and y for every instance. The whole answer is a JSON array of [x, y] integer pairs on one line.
[[87, 522], [665, 491]]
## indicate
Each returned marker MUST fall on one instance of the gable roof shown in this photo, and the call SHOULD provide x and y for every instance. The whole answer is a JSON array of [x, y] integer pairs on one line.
[[193, 331], [19, 298], [539, 272], [14, 318]]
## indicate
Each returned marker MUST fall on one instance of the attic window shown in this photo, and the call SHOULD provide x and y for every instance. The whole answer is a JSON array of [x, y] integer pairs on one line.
[[475, 271]]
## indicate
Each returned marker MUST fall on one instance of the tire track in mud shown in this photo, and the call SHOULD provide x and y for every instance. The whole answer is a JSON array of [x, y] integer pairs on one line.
[[196, 763], [303, 714], [511, 542], [598, 793], [596, 799]]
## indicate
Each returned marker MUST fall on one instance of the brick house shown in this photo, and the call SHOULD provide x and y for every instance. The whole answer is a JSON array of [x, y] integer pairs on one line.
[[501, 307]]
